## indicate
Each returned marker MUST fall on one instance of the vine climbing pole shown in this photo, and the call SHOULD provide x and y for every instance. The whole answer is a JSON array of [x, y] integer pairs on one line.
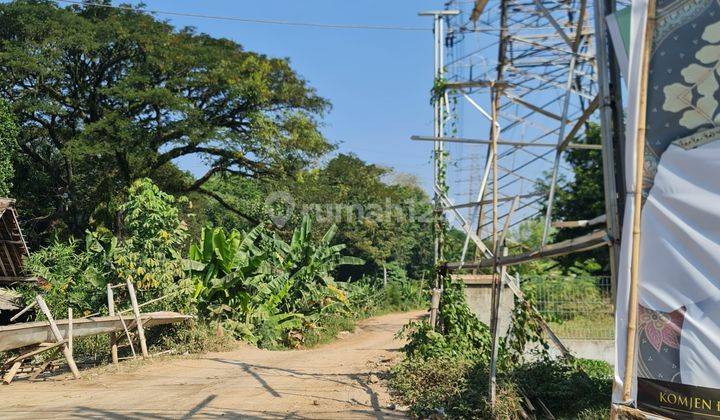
[[439, 168], [529, 73]]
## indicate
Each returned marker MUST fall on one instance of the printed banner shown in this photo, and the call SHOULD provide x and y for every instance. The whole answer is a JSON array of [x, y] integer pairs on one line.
[[678, 343]]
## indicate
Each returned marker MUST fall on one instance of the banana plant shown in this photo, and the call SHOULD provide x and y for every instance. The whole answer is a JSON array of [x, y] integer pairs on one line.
[[253, 282], [310, 265], [219, 255], [308, 261]]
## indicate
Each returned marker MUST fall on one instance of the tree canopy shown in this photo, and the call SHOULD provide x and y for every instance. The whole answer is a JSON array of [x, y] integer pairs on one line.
[[383, 217], [8, 148], [105, 96], [381, 221]]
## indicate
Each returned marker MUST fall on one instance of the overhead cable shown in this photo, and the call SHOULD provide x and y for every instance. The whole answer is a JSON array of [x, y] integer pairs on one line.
[[250, 20]]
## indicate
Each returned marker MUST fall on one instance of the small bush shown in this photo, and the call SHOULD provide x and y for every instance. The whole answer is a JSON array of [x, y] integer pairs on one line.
[[446, 369]]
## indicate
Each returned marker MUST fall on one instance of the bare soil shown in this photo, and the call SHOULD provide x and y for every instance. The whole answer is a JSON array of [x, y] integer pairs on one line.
[[337, 380]]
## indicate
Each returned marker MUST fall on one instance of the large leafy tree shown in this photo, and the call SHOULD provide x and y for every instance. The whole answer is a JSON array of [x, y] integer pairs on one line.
[[105, 96], [8, 148], [380, 220]]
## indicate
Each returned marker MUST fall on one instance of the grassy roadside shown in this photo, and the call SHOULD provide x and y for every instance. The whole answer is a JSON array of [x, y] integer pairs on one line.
[[458, 388]]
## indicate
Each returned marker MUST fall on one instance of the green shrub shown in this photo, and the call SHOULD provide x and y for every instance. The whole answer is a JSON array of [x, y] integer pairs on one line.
[[460, 333], [148, 254], [402, 294], [327, 330], [458, 388], [264, 290], [195, 337], [446, 370], [68, 278], [455, 387]]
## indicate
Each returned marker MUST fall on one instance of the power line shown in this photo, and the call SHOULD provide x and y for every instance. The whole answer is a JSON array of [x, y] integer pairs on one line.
[[248, 20]]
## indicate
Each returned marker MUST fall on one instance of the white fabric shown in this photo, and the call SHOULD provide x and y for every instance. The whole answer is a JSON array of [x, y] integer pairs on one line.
[[680, 255]]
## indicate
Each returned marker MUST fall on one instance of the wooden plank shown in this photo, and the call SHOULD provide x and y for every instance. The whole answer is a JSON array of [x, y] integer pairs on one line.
[[112, 335], [138, 319], [10, 374], [11, 234], [579, 223], [470, 279], [39, 370], [127, 334], [41, 348], [69, 337], [16, 223], [58, 337], [16, 279], [2, 266], [477, 10], [25, 334], [434, 306]]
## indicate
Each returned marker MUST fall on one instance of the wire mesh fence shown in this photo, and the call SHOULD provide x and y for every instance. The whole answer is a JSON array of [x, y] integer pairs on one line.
[[575, 307]]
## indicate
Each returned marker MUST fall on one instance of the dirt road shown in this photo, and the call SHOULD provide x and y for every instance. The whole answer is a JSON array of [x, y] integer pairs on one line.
[[333, 381]]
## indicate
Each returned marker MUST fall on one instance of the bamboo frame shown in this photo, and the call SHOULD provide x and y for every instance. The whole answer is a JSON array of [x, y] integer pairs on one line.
[[112, 336], [138, 319], [494, 137], [58, 337], [637, 199]]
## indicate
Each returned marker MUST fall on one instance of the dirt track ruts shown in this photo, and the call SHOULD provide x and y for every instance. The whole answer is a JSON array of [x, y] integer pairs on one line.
[[331, 381]]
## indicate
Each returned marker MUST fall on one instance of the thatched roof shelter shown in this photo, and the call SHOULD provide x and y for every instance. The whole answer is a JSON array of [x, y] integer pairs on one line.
[[12, 245]]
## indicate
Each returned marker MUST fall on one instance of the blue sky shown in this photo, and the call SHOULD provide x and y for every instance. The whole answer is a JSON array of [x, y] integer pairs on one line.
[[377, 81]]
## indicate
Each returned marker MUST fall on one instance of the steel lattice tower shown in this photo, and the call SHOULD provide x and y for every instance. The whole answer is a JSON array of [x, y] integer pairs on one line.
[[517, 83]]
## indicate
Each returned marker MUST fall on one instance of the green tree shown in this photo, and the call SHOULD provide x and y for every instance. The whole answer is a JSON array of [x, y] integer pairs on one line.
[[379, 220], [106, 96], [8, 148]]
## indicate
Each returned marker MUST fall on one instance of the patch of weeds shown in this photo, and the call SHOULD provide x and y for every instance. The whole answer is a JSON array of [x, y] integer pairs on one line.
[[450, 387], [457, 387], [192, 337], [328, 330]]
